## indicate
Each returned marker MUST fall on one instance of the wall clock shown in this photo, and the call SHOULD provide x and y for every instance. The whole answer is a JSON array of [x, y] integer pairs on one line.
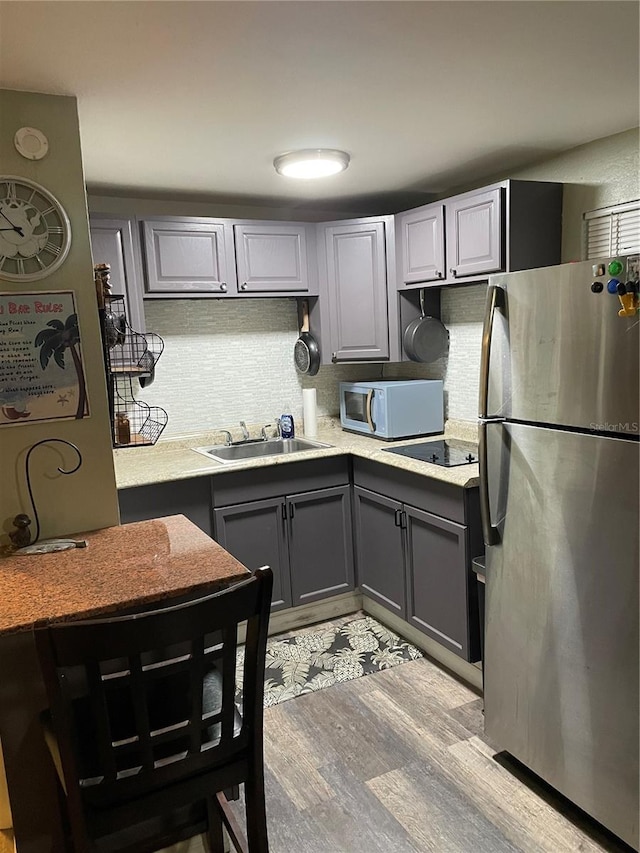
[[35, 232]]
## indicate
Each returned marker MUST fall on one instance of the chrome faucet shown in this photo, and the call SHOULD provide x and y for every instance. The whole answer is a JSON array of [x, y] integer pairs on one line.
[[245, 431], [263, 432], [227, 436], [278, 428]]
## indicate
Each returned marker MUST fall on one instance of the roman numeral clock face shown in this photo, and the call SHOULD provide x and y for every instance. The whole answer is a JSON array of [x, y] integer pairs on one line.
[[35, 233]]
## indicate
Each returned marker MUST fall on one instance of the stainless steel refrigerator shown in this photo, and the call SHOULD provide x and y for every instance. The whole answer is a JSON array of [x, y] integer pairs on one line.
[[559, 469]]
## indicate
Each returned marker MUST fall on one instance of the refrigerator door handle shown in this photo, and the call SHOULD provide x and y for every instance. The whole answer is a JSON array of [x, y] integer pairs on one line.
[[489, 531], [495, 300]]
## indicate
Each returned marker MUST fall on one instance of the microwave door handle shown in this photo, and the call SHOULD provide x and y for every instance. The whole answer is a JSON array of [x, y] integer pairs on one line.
[[369, 410], [495, 300]]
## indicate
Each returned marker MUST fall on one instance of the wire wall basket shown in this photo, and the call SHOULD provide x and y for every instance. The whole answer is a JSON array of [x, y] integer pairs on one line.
[[130, 353], [135, 424], [130, 360]]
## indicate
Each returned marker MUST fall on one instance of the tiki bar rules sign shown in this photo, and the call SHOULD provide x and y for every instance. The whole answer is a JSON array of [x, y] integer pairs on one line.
[[41, 371]]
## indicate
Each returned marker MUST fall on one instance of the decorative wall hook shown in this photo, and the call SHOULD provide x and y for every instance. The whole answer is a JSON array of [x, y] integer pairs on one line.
[[21, 536]]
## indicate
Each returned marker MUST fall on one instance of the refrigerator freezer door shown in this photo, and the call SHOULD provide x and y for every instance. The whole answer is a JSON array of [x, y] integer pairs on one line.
[[570, 360], [561, 655]]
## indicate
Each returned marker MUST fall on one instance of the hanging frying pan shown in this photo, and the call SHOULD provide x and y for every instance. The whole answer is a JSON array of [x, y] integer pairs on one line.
[[306, 352], [425, 338]]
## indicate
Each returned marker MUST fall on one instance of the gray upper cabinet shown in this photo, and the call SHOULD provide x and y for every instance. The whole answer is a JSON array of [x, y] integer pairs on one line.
[[188, 256], [508, 226], [275, 259], [420, 234], [354, 260], [115, 242], [474, 234]]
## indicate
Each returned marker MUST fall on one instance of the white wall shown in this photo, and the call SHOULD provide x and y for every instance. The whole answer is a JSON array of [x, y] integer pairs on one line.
[[230, 360], [227, 360]]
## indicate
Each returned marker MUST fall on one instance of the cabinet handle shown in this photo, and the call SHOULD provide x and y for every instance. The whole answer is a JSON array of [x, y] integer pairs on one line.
[[291, 510], [244, 286], [398, 521], [453, 272], [334, 356], [223, 286], [403, 519], [284, 512], [438, 274]]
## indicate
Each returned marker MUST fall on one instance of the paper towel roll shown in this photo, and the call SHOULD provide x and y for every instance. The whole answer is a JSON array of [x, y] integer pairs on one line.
[[309, 414]]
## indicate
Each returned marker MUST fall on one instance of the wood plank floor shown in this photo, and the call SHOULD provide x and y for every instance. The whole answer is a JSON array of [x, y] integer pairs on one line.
[[396, 762]]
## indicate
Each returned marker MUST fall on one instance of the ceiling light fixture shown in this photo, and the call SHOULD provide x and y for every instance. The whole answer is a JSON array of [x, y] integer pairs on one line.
[[311, 163]]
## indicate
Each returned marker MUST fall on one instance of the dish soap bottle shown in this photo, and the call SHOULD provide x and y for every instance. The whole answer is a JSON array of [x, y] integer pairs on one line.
[[287, 428]]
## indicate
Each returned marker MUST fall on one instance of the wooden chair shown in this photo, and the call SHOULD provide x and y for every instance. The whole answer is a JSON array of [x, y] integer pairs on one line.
[[143, 727]]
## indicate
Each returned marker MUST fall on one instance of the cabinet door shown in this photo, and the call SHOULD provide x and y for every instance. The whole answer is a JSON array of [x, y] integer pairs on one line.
[[191, 498], [115, 242], [271, 258], [379, 549], [421, 234], [357, 289], [437, 579], [188, 256], [474, 234], [320, 544], [254, 533]]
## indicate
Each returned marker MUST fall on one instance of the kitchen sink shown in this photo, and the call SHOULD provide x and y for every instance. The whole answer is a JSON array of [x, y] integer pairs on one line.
[[227, 453]]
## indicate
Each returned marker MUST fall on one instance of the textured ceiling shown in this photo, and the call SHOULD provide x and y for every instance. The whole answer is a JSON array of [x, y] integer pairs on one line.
[[198, 97]]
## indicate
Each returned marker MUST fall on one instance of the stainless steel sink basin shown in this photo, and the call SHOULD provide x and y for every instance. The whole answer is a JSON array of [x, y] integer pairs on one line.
[[228, 453]]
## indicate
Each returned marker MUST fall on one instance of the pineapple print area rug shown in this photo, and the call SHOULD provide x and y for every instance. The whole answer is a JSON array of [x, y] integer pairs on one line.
[[314, 658]]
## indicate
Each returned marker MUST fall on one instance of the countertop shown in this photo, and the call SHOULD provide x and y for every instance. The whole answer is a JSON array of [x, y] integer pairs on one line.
[[175, 459], [121, 566]]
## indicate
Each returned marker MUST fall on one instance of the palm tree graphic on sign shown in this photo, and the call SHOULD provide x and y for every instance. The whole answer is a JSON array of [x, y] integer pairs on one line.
[[54, 341]]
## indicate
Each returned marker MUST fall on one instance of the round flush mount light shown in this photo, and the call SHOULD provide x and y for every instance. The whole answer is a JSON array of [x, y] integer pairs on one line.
[[311, 163]]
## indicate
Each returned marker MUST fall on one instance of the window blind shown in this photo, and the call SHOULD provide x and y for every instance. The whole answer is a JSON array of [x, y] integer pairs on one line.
[[613, 230]]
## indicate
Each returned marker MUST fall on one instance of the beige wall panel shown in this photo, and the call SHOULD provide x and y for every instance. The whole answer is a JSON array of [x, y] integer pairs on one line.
[[87, 499]]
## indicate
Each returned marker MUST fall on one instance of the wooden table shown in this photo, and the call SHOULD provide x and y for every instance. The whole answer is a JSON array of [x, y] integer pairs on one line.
[[128, 566]]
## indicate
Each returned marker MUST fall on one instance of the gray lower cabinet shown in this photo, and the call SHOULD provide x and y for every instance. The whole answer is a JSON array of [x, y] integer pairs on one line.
[[188, 256], [256, 534], [438, 579], [275, 259], [415, 538], [114, 241], [191, 498], [305, 538], [355, 262], [379, 539]]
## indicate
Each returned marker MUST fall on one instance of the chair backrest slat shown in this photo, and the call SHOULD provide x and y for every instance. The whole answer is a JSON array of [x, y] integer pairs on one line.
[[196, 677], [100, 714], [141, 711], [229, 654]]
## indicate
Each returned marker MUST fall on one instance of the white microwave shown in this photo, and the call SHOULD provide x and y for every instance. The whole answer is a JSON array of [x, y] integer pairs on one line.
[[393, 408]]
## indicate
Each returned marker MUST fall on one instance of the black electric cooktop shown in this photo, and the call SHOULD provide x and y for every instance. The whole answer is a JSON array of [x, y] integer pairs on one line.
[[446, 452]]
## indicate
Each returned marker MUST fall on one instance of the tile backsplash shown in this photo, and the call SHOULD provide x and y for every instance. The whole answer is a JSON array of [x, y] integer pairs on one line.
[[231, 360]]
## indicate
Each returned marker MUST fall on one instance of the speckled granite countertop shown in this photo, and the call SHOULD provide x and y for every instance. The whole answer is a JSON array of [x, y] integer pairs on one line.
[[121, 566], [176, 460]]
